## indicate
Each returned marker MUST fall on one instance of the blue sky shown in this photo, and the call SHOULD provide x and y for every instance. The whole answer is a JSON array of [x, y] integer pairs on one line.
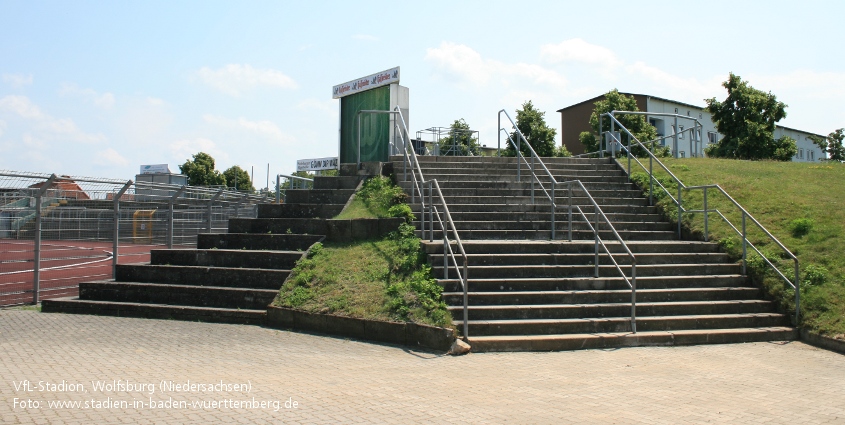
[[99, 88]]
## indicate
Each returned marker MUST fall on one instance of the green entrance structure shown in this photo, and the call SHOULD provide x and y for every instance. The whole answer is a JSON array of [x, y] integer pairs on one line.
[[376, 92]]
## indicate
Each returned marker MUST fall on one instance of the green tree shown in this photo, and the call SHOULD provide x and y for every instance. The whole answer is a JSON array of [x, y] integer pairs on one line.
[[201, 172], [636, 124], [747, 119], [531, 123], [236, 177], [832, 145], [460, 141]]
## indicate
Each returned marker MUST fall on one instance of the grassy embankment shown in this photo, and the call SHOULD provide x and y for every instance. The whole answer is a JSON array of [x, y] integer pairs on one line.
[[802, 204], [381, 279]]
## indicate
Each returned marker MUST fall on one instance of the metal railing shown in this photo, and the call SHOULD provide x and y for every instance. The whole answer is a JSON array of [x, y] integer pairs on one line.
[[294, 182], [679, 204], [56, 231], [532, 166], [418, 184]]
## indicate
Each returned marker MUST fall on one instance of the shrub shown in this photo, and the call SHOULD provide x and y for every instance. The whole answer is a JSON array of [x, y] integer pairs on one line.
[[814, 275], [800, 227]]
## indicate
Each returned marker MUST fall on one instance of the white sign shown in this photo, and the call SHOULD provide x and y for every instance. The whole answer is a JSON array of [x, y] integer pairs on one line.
[[369, 82], [316, 164], [155, 169]]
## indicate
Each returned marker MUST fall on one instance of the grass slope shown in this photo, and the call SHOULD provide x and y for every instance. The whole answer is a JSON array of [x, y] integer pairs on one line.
[[802, 204]]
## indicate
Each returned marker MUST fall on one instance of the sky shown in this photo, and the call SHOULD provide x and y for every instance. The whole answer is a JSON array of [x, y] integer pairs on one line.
[[98, 88]]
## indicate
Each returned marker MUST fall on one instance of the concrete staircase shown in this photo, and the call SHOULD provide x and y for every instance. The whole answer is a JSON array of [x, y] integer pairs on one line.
[[229, 277], [529, 293]]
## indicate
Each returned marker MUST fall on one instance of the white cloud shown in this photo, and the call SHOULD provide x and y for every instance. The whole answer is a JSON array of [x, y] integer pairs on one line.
[[186, 148], [264, 128], [234, 79], [578, 50], [110, 157], [365, 37], [102, 100], [328, 106], [683, 89], [461, 63], [812, 84], [154, 101], [17, 80], [61, 129]]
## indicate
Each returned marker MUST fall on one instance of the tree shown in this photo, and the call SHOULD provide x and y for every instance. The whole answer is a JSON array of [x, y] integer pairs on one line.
[[201, 172], [636, 124], [460, 141], [747, 119], [238, 178], [832, 145], [532, 124]]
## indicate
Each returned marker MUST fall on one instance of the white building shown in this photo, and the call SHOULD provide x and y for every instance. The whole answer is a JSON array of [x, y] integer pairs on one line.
[[575, 119]]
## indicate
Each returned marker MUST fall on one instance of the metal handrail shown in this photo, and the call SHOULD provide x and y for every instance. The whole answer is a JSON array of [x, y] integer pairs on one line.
[[796, 285], [289, 177], [599, 213], [418, 183], [632, 282], [532, 166]]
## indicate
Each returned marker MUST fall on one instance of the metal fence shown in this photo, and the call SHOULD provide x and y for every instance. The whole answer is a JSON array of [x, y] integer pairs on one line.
[[56, 231]]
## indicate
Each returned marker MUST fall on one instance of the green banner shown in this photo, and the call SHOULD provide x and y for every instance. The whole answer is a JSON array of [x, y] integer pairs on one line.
[[375, 128]]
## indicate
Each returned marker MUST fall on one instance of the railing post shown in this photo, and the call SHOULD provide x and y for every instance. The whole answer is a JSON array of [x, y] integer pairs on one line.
[[797, 294], [680, 210], [705, 214], [36, 272], [278, 189], [629, 158], [569, 189], [466, 298], [518, 158], [553, 209], [650, 181], [533, 173], [744, 245], [430, 211], [596, 240], [116, 228], [445, 255], [634, 295]]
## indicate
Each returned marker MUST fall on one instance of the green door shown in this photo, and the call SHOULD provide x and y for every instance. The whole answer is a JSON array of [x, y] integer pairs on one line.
[[375, 128]]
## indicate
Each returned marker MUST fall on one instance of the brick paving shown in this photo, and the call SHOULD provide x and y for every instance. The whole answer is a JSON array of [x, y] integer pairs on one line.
[[340, 381]]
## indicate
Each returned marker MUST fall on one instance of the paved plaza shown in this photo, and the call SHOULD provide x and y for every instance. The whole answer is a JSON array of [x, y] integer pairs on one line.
[[74, 369]]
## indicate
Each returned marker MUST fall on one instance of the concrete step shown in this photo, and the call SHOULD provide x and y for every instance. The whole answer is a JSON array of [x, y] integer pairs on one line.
[[587, 259], [154, 311], [539, 207], [561, 195], [495, 247], [627, 339], [530, 272], [445, 178], [335, 182], [626, 235], [560, 216], [197, 296], [523, 184], [304, 226], [540, 198], [600, 296], [576, 311], [202, 276], [561, 226], [590, 283], [257, 241], [291, 210], [622, 324], [226, 258], [318, 196]]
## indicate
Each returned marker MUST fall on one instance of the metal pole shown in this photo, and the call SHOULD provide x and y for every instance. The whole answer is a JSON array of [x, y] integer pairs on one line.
[[797, 294], [36, 272], [518, 157], [466, 298], [171, 203], [533, 173], [650, 181], [633, 295], [596, 240], [613, 127], [116, 236], [430, 211], [499, 134], [705, 214], [675, 138], [278, 189], [445, 255], [569, 189], [744, 245], [422, 210], [211, 207], [680, 208], [553, 209]]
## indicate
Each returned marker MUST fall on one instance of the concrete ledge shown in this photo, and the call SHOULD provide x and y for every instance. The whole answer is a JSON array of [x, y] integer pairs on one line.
[[361, 228], [408, 334], [816, 340]]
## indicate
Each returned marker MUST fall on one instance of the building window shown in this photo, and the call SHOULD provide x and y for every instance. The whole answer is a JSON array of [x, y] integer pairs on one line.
[[676, 110], [699, 116], [688, 114], [712, 137], [812, 155], [800, 153], [681, 132]]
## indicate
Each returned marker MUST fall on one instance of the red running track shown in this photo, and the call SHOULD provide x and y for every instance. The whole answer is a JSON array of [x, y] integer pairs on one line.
[[64, 263]]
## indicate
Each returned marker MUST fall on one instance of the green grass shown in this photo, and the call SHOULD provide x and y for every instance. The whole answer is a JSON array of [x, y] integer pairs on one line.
[[378, 197], [382, 279], [802, 204]]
